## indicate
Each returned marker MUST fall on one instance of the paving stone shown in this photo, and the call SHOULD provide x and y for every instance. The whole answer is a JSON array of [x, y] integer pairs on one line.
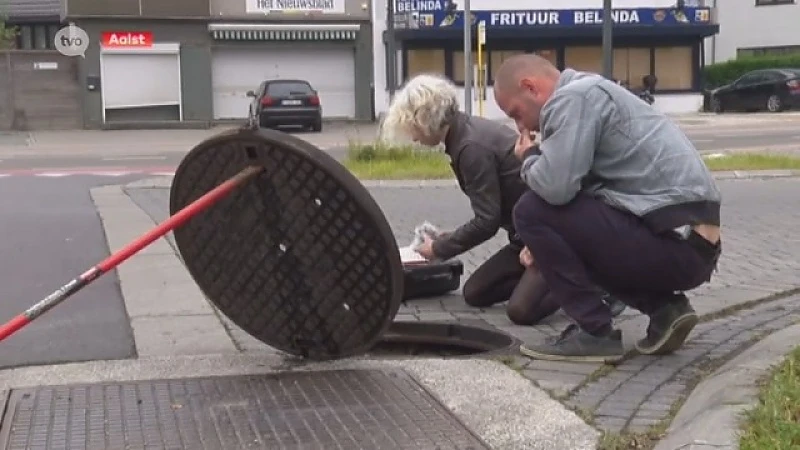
[[559, 367], [406, 318], [560, 383], [617, 409], [642, 424], [435, 316], [613, 424]]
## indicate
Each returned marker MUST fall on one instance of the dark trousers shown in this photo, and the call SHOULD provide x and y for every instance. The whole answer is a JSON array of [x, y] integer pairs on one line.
[[586, 246], [501, 278]]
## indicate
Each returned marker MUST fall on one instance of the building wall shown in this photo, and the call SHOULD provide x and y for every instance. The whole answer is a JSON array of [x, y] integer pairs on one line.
[[743, 25], [30, 8], [339, 10], [137, 8], [195, 64]]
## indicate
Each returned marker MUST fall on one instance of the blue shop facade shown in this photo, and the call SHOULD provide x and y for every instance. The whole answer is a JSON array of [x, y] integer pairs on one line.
[[665, 42]]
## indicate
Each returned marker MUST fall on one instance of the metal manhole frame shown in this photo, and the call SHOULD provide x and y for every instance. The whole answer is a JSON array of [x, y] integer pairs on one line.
[[408, 335]]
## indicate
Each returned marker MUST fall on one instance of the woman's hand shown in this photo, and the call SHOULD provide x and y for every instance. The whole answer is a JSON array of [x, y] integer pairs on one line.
[[426, 249], [526, 258]]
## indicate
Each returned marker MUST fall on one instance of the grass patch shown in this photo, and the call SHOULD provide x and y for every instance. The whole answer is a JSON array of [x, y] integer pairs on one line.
[[379, 161], [775, 422], [382, 161], [752, 161]]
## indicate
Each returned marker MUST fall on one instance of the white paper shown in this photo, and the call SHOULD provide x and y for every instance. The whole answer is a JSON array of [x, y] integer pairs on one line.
[[408, 255]]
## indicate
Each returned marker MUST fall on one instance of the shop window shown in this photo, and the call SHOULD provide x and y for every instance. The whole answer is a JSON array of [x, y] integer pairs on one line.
[[496, 58], [674, 68], [587, 59], [40, 41], [458, 65], [771, 51], [631, 65], [424, 61], [774, 2]]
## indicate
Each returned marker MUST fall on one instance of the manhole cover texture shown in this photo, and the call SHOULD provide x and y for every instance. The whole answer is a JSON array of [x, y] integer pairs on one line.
[[301, 256], [348, 409]]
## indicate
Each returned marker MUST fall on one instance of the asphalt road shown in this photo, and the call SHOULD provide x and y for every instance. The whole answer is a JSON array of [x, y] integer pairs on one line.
[[51, 234]]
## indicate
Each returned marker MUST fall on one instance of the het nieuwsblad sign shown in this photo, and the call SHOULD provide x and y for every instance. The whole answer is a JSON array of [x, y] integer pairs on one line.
[[294, 6]]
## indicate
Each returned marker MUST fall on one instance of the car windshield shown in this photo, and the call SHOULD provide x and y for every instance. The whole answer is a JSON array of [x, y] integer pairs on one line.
[[287, 88]]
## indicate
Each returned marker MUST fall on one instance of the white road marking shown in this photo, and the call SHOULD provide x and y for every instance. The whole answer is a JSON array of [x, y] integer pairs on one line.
[[136, 158]]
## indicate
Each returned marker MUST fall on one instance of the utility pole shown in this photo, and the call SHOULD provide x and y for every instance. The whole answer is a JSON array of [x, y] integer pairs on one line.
[[608, 45], [391, 49], [467, 58]]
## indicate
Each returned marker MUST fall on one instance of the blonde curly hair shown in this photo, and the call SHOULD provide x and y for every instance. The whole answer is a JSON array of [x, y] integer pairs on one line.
[[427, 103]]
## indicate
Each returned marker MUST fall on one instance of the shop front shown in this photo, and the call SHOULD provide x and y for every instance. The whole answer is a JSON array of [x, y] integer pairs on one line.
[[335, 58], [664, 42]]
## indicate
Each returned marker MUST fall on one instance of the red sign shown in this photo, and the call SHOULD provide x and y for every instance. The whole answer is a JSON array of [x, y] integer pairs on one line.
[[126, 39]]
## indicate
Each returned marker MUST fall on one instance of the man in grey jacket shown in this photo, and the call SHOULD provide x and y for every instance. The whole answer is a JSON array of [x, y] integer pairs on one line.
[[620, 201]]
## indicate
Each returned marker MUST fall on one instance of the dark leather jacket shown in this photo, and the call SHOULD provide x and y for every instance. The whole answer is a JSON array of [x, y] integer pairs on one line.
[[488, 172]]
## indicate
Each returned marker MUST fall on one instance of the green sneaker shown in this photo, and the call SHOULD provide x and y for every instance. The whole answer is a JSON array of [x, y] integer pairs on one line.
[[669, 327], [576, 345]]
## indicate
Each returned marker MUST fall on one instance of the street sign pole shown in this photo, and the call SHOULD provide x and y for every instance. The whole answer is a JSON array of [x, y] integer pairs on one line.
[[467, 58], [391, 49], [608, 45], [481, 72]]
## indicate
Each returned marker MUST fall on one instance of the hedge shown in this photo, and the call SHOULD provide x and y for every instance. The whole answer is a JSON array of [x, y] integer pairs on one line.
[[719, 74]]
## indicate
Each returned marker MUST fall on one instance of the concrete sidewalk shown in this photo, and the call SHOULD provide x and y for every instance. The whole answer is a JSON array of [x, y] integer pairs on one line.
[[639, 396]]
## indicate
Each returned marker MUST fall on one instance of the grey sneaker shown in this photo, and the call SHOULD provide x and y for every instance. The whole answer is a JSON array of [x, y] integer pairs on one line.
[[669, 327], [576, 345], [614, 304]]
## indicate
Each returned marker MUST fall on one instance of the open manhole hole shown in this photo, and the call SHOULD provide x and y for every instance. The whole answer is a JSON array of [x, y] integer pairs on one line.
[[439, 339]]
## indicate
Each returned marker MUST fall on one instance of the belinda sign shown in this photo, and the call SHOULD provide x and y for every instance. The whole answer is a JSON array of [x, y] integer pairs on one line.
[[126, 39]]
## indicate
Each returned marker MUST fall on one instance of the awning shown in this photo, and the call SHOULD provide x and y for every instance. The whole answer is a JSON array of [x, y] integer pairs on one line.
[[283, 32]]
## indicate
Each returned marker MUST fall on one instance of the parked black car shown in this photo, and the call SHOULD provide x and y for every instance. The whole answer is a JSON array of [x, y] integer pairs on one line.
[[286, 102], [772, 90]]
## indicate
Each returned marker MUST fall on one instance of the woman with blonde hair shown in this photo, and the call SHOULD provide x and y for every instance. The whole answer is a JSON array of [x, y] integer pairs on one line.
[[482, 156]]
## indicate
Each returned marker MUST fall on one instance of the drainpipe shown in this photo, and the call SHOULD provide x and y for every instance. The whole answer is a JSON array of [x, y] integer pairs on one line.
[[714, 37]]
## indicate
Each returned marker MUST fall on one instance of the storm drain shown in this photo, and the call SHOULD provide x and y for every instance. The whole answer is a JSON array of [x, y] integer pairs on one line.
[[342, 409]]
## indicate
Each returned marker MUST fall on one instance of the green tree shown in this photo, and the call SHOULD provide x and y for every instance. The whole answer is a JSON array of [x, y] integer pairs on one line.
[[8, 35]]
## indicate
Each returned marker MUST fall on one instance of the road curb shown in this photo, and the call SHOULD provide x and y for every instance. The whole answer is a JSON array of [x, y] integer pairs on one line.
[[711, 415], [166, 181], [168, 313]]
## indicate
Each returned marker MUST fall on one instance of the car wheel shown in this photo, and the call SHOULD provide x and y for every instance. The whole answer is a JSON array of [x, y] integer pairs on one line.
[[317, 127], [716, 105], [774, 103]]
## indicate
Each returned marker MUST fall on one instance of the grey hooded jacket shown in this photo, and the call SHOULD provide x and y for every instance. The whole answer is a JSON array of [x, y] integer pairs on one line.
[[599, 138]]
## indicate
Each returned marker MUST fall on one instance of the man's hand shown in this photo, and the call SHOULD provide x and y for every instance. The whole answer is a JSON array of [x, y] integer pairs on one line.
[[524, 142], [526, 258], [426, 249]]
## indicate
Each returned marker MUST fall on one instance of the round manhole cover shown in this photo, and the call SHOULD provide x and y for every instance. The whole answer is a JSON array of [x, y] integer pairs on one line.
[[301, 256]]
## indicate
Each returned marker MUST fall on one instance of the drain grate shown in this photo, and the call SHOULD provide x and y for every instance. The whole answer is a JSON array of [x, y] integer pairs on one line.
[[342, 409]]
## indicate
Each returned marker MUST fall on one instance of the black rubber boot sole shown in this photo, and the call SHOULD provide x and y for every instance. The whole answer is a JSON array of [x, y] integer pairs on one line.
[[673, 338]]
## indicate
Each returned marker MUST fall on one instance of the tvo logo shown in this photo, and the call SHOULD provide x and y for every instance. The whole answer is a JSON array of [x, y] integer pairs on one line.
[[71, 41]]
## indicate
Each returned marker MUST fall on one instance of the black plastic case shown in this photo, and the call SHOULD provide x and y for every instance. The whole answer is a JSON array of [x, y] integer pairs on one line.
[[431, 279]]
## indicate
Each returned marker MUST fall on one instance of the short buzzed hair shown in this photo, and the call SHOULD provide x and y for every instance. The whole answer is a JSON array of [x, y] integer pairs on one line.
[[520, 66]]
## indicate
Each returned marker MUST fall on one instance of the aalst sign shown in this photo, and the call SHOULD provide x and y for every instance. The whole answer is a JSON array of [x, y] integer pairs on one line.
[[126, 39]]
